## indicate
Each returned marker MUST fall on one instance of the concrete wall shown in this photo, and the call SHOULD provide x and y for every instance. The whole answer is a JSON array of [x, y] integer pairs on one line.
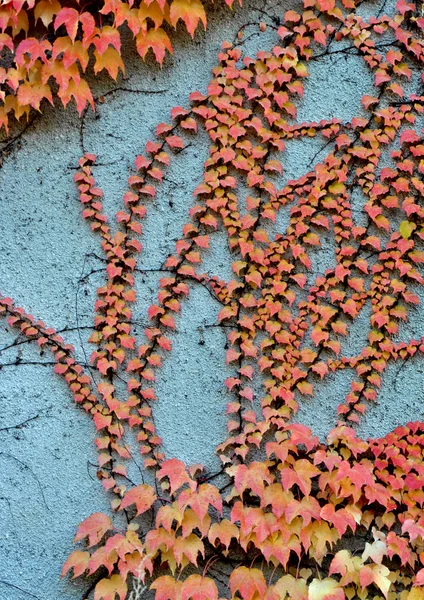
[[48, 481]]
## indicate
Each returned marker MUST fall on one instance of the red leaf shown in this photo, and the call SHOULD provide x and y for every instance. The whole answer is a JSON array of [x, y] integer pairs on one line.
[[174, 141], [68, 17]]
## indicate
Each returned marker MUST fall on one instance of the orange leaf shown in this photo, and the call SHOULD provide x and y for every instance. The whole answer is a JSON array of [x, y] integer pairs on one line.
[[108, 589], [167, 588], [33, 94], [223, 532], [109, 60], [190, 11], [247, 582], [174, 141], [143, 496], [305, 388], [78, 561], [197, 587], [80, 92], [200, 500], [226, 313], [45, 10], [94, 527], [157, 40], [190, 547]]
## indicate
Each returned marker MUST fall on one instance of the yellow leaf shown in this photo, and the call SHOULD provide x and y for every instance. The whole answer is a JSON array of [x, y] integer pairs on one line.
[[381, 578], [288, 586], [417, 593], [326, 589], [337, 188], [305, 388], [153, 12], [223, 532], [108, 589], [406, 228], [45, 10]]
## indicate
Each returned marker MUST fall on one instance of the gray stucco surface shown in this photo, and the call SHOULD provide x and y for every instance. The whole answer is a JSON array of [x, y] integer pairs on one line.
[[46, 465]]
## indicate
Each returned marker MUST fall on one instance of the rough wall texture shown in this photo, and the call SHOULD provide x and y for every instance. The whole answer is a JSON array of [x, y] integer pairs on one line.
[[49, 266]]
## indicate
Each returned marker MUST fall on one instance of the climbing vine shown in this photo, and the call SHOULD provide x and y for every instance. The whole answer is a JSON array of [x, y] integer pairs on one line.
[[292, 517]]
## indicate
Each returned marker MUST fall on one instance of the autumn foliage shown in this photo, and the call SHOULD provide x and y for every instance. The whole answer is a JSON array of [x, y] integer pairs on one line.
[[47, 46], [292, 517]]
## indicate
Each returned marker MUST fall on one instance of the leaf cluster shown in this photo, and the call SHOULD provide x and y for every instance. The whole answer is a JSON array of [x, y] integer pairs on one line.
[[48, 47]]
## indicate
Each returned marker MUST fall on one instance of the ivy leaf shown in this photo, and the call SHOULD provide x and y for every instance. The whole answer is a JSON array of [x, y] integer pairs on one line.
[[377, 550], [341, 519], [200, 500], [143, 496], [406, 228], [94, 527], [226, 313], [325, 589], [80, 92], [295, 589], [158, 40], [175, 471], [419, 578], [33, 94], [197, 587], [377, 574], [70, 18], [190, 11], [108, 589], [78, 561], [416, 594], [45, 10], [248, 582], [409, 136], [305, 388], [223, 533], [167, 588], [190, 547], [103, 557], [109, 60]]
